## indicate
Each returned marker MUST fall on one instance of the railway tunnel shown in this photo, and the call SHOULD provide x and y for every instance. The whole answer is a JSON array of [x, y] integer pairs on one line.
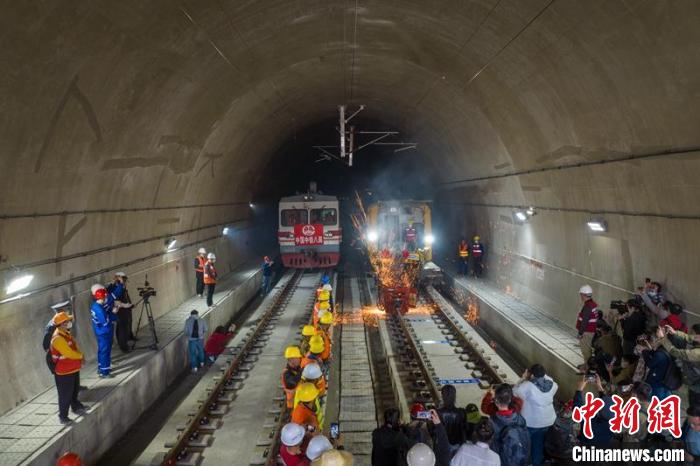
[[134, 133]]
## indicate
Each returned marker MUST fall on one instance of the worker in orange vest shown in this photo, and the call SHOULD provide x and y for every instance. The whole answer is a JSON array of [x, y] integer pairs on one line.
[[210, 277], [291, 374], [316, 347], [319, 307], [306, 333], [463, 258], [304, 413], [323, 329], [67, 360], [199, 263]]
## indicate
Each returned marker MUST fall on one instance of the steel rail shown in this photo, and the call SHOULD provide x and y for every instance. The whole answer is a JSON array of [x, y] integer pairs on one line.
[[171, 457]]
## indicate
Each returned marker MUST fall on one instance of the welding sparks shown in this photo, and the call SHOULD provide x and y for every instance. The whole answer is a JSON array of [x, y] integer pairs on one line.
[[472, 314]]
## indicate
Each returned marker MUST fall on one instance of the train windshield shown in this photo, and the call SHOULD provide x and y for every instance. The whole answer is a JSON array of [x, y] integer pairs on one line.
[[324, 216], [291, 217]]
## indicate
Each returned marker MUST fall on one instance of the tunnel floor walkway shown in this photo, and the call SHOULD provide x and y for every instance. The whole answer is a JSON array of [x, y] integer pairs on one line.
[[528, 333], [32, 434]]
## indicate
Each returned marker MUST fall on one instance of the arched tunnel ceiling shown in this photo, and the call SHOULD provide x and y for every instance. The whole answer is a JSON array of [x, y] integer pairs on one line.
[[189, 100]]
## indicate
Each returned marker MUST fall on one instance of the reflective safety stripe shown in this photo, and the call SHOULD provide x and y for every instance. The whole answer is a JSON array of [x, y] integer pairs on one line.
[[202, 261]]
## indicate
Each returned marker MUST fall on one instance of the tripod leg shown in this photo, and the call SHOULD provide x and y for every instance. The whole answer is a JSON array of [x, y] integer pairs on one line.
[[152, 325], [138, 325]]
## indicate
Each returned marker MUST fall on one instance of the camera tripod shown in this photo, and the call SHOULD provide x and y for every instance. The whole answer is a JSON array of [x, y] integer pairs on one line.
[[146, 306]]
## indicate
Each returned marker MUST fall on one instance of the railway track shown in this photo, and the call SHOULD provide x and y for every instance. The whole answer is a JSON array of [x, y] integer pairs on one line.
[[246, 396]]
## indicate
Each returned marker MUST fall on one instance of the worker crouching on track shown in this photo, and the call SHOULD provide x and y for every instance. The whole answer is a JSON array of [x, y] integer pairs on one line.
[[316, 347], [210, 276], [216, 343], [323, 330], [312, 374], [291, 376], [291, 452], [320, 306], [306, 413], [67, 360], [307, 332]]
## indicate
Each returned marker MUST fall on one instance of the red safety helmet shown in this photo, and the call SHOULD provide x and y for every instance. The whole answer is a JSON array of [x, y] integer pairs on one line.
[[416, 408], [266, 258], [101, 293], [69, 459]]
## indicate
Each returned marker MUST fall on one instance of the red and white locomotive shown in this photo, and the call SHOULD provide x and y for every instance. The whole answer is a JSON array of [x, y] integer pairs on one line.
[[309, 230]]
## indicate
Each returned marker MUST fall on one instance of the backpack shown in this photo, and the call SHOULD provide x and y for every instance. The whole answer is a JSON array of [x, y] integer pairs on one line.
[[46, 344], [514, 442], [559, 439], [673, 379]]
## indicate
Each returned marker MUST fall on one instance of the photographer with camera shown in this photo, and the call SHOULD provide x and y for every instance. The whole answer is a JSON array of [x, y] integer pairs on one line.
[[658, 362], [633, 322], [685, 348], [122, 302], [602, 435]]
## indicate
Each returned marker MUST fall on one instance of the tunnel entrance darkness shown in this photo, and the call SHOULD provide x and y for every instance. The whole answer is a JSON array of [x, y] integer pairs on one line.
[[376, 168]]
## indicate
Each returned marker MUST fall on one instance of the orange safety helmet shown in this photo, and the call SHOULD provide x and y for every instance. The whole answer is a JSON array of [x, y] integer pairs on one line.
[[69, 459], [60, 318]]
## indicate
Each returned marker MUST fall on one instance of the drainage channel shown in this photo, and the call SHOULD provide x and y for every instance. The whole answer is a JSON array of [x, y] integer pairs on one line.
[[233, 422]]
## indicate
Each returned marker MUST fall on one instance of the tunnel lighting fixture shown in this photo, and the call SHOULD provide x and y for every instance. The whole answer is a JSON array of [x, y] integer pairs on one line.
[[530, 211], [225, 231], [597, 225], [521, 216], [170, 244], [18, 284], [429, 240], [250, 204], [372, 236]]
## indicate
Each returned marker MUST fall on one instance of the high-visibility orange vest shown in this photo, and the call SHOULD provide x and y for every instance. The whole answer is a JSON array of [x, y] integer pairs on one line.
[[289, 392], [326, 344], [309, 358], [64, 365], [463, 250], [209, 274], [199, 267], [304, 416]]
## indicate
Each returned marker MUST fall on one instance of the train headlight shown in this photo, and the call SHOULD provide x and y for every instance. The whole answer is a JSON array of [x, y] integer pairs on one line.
[[372, 236], [429, 240]]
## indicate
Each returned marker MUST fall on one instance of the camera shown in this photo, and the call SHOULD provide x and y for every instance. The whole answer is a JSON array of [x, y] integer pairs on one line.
[[619, 306], [146, 291]]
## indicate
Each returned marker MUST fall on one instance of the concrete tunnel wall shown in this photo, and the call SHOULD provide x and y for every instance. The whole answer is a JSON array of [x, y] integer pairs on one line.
[[123, 105]]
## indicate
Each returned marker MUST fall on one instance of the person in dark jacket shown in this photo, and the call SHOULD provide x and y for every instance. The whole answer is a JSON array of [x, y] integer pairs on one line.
[[511, 439], [602, 436], [389, 443], [453, 418], [657, 361], [634, 323]]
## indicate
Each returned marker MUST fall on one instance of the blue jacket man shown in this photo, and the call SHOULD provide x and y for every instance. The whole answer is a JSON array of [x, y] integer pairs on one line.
[[102, 324]]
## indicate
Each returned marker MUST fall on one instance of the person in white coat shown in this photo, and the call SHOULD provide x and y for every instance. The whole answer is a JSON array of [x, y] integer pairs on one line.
[[537, 391]]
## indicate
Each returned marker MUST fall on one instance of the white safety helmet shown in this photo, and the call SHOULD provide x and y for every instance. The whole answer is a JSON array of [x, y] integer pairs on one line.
[[312, 371], [211, 256], [420, 455], [96, 287], [317, 446], [586, 290], [292, 434], [120, 274], [202, 251]]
